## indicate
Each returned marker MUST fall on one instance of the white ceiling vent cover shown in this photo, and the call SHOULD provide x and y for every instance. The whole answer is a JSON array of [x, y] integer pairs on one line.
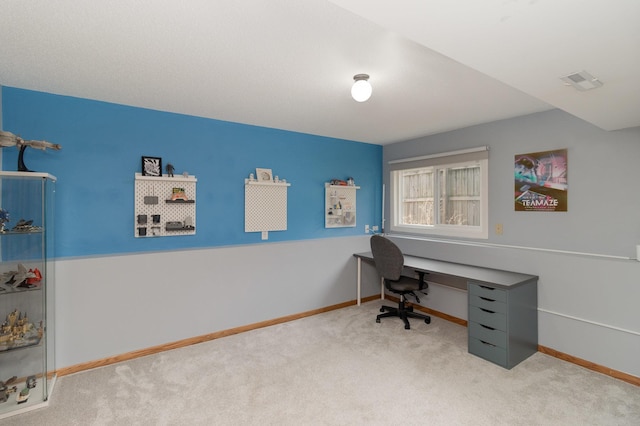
[[582, 81]]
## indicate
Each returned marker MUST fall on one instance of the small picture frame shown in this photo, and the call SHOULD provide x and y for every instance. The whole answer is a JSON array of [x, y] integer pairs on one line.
[[152, 166], [264, 175]]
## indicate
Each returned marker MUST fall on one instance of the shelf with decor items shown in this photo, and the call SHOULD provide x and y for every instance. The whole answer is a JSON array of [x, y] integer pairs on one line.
[[164, 206], [27, 364], [340, 206]]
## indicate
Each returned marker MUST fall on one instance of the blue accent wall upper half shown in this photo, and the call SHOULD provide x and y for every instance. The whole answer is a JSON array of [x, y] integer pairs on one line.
[[102, 146]]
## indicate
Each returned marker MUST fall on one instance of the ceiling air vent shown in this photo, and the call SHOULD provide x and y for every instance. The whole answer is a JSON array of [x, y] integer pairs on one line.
[[581, 80]]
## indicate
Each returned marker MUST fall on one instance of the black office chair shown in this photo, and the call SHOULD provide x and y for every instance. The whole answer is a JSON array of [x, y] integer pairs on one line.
[[389, 263]]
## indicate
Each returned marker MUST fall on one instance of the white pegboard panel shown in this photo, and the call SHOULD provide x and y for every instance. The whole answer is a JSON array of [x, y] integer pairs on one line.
[[150, 187], [265, 205], [340, 206]]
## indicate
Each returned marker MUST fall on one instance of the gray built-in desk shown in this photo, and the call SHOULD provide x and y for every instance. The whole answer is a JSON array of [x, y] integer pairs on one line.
[[503, 306]]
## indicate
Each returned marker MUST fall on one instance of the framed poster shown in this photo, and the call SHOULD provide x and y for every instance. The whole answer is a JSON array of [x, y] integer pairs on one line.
[[541, 181], [152, 166]]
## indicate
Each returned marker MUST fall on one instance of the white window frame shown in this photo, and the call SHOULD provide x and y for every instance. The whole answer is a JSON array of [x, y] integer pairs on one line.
[[462, 158]]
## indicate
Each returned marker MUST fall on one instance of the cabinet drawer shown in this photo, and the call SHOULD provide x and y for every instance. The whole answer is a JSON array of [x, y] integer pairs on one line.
[[486, 317], [488, 304], [486, 350], [487, 292], [488, 334]]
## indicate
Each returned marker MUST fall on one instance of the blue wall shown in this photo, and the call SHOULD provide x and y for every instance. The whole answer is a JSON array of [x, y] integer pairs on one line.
[[101, 148]]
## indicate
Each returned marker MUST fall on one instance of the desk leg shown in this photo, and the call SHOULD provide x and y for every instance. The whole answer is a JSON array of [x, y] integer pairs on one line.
[[359, 280], [381, 288]]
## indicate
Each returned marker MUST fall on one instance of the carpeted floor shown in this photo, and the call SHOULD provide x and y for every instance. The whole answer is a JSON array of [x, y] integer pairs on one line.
[[337, 368]]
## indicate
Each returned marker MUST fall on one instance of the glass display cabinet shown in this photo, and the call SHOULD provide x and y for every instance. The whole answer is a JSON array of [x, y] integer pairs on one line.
[[27, 365]]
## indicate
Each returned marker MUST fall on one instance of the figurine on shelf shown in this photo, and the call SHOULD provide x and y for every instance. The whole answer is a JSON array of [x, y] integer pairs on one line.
[[4, 218], [5, 390], [22, 225], [9, 139], [178, 194], [17, 332], [32, 280], [170, 169], [23, 396]]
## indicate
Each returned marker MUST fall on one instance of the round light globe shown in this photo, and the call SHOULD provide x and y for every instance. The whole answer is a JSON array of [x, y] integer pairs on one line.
[[361, 90]]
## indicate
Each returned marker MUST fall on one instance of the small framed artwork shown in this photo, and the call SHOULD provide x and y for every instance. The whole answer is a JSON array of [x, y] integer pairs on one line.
[[152, 166], [264, 175]]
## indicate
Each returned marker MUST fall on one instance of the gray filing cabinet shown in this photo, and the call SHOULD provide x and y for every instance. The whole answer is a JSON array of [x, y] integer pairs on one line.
[[503, 322]]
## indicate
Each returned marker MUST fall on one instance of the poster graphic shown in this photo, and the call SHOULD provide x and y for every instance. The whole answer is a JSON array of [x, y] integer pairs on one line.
[[541, 181]]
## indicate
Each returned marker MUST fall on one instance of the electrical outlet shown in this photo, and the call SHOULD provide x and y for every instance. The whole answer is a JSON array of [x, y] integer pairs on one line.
[[374, 228], [498, 229], [366, 229]]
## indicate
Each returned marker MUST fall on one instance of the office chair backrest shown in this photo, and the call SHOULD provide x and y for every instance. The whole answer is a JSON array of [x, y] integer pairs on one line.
[[387, 256]]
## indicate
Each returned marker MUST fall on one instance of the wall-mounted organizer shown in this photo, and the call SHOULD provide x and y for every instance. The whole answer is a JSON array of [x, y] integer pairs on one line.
[[339, 206], [164, 206], [265, 206]]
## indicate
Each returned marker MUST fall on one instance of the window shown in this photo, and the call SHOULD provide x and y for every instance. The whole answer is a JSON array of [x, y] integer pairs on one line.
[[443, 194]]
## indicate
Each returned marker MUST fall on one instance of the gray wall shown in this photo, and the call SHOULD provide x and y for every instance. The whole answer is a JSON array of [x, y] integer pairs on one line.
[[589, 284], [112, 305]]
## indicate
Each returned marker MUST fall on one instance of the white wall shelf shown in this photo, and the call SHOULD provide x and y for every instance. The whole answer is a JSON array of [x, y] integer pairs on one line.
[[162, 209], [340, 206]]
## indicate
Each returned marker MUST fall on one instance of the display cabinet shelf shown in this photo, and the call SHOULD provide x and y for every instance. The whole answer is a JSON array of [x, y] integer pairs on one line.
[[27, 329]]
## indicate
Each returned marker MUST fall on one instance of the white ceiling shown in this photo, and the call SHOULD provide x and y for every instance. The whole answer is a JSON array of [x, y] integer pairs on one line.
[[435, 65]]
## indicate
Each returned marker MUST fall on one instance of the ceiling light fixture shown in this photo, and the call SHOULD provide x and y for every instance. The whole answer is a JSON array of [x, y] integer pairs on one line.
[[361, 89]]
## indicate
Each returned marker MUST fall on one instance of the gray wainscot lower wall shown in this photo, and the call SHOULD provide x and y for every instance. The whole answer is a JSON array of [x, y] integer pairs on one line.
[[108, 306]]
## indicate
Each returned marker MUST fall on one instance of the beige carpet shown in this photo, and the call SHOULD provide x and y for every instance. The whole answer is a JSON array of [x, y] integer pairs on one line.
[[338, 368]]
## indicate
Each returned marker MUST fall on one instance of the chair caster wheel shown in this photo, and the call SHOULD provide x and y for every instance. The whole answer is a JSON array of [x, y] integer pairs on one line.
[[381, 309], [407, 327], [427, 320], [377, 320]]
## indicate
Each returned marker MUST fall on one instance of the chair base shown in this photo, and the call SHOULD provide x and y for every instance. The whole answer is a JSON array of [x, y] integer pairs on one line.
[[403, 312]]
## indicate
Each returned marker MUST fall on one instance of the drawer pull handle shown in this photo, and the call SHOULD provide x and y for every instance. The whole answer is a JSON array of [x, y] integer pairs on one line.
[[487, 310], [487, 288], [487, 343], [487, 299], [487, 327]]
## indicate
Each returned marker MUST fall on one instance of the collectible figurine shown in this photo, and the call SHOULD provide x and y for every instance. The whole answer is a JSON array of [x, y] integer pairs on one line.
[[23, 396], [5, 390], [9, 139], [4, 218], [16, 332], [170, 169], [178, 194]]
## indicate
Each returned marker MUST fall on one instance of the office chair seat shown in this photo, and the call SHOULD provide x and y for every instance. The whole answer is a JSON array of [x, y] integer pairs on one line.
[[389, 264]]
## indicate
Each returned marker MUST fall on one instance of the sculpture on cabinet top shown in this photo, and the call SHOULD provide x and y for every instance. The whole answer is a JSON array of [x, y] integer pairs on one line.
[[9, 139]]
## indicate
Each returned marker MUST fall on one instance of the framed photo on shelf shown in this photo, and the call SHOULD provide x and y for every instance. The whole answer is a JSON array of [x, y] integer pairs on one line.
[[264, 175], [152, 166]]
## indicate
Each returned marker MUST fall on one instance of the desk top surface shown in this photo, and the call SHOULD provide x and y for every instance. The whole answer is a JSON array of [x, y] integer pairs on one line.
[[497, 277]]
